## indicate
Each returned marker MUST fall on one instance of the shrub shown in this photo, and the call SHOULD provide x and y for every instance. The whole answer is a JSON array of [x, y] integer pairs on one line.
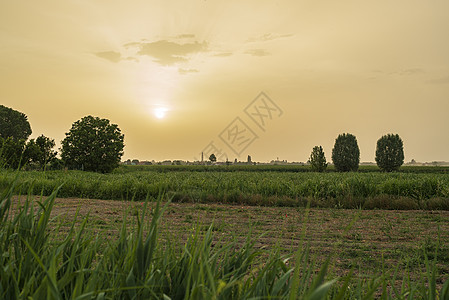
[[346, 153]]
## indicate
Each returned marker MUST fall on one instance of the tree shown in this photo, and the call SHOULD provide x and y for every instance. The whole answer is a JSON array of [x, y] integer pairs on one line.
[[212, 158], [346, 153], [317, 159], [40, 151], [13, 124], [93, 144], [11, 152], [390, 152]]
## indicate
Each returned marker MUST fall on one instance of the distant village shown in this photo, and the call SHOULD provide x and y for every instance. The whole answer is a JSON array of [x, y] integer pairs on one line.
[[277, 161], [136, 162]]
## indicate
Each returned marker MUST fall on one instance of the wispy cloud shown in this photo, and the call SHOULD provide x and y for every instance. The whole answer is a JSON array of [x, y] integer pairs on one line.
[[187, 71], [267, 37], [223, 54], [185, 36], [412, 71], [112, 56], [403, 72], [257, 52]]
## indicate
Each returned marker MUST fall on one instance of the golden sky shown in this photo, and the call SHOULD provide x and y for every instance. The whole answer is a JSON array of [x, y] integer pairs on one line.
[[177, 76]]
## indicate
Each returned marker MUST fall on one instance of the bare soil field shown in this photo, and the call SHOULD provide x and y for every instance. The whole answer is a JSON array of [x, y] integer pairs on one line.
[[360, 239]]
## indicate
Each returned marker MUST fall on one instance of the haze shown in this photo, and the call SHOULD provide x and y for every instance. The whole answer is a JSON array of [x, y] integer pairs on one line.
[[174, 75]]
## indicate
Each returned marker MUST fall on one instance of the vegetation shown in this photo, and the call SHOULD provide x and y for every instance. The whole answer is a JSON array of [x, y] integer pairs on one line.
[[317, 159], [38, 263], [292, 168], [13, 124], [212, 158], [346, 153], [344, 190], [40, 152], [93, 144], [390, 152], [15, 151], [11, 152]]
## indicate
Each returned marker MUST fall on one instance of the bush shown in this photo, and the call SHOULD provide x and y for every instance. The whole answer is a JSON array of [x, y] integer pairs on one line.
[[346, 153], [390, 153]]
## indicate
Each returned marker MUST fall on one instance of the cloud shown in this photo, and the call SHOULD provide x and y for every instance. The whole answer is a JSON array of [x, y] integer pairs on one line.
[[404, 72], [443, 80], [112, 56], [187, 71], [185, 36], [412, 71], [267, 37], [223, 54], [257, 52], [130, 58], [169, 53]]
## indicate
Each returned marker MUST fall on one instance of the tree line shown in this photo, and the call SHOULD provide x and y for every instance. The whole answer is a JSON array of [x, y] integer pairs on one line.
[[94, 144], [346, 154]]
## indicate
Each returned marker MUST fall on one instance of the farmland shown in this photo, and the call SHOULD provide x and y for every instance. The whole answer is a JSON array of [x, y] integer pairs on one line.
[[227, 233], [245, 185]]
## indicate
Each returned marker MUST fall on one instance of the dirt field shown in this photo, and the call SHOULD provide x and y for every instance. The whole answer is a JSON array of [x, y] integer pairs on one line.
[[392, 238]]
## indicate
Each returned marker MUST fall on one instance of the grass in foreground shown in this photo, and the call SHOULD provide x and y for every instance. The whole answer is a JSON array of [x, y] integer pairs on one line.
[[137, 265]]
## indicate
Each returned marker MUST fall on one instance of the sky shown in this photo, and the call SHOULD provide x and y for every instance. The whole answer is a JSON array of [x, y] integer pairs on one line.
[[270, 79]]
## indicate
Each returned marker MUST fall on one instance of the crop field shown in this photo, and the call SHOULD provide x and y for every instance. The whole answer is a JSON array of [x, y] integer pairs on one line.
[[224, 234], [266, 187]]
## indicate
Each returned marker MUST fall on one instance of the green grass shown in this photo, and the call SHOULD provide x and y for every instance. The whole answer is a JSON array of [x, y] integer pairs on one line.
[[137, 264], [367, 190]]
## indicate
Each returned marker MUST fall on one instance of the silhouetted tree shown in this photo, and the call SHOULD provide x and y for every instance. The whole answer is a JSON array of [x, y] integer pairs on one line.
[[390, 152], [40, 151], [11, 153], [318, 159], [346, 153], [13, 124], [212, 158]]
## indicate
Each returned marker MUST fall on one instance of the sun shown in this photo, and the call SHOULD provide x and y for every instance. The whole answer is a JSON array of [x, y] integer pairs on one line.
[[160, 112]]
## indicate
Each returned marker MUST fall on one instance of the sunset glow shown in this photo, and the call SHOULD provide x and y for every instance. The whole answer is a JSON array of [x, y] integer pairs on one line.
[[364, 67]]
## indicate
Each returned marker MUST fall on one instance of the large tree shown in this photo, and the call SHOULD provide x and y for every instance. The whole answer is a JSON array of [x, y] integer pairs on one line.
[[346, 153], [390, 152], [93, 144], [13, 124]]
